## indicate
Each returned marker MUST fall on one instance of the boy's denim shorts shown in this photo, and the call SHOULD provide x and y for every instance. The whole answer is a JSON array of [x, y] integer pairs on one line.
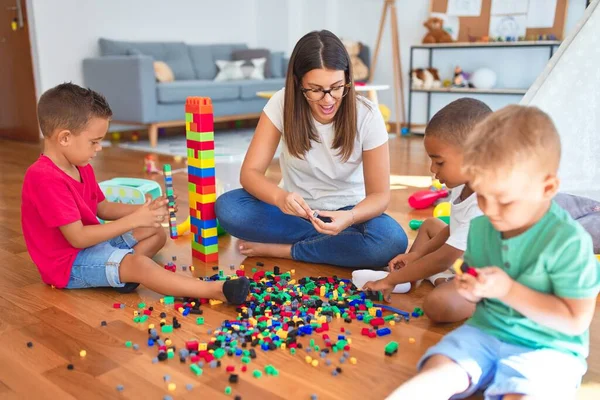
[[98, 266], [501, 368]]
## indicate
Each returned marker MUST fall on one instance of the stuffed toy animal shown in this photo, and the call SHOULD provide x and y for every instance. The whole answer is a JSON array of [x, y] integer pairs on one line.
[[436, 33], [427, 78], [360, 71]]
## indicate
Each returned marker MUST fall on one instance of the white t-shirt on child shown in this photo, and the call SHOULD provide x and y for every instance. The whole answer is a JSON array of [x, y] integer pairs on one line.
[[321, 178], [461, 214]]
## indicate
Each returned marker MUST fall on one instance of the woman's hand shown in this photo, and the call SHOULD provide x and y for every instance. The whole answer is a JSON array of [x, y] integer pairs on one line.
[[340, 220], [293, 204]]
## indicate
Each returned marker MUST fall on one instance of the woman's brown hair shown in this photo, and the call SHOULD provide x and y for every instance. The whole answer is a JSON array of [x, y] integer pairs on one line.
[[317, 50]]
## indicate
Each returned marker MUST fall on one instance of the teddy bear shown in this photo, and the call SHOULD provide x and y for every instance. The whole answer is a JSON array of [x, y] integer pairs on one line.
[[360, 71], [425, 78], [436, 33]]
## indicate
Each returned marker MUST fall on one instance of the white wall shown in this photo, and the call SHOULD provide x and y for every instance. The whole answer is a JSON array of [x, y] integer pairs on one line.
[[66, 31]]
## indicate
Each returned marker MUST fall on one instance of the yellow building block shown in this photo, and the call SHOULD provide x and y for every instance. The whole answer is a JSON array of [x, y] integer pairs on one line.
[[206, 233], [282, 334], [202, 346], [195, 162], [202, 198]]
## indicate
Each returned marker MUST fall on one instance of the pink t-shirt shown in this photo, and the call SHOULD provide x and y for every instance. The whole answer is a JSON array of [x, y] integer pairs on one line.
[[51, 199]]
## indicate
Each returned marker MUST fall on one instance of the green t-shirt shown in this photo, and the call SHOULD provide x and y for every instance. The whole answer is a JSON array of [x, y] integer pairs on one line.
[[554, 256]]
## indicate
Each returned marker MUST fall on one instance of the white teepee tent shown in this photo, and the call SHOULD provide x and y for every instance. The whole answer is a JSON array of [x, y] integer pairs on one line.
[[569, 90]]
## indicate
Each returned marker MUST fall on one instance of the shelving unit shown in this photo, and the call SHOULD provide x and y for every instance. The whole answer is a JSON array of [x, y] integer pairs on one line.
[[550, 44]]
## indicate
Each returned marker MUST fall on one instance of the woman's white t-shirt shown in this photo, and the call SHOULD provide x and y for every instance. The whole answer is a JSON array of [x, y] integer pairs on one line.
[[321, 178]]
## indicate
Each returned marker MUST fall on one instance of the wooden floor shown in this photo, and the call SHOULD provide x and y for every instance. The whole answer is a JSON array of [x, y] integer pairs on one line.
[[60, 323]]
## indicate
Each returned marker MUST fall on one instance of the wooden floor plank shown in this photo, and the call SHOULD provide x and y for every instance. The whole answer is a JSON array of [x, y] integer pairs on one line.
[[94, 340], [37, 358], [68, 347], [81, 385], [134, 385], [18, 377]]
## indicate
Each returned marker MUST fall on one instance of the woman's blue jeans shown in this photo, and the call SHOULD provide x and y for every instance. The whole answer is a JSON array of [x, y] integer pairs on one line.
[[370, 244]]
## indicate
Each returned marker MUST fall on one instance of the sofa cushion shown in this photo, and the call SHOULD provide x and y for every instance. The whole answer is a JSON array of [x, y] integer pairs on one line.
[[204, 57], [251, 54], [249, 88], [174, 54], [276, 66], [178, 92]]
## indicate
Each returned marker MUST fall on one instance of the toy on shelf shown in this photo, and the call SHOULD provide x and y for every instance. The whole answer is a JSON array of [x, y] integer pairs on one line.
[[425, 78], [483, 78], [135, 136], [150, 164], [201, 175], [426, 198], [171, 198], [436, 32], [461, 78]]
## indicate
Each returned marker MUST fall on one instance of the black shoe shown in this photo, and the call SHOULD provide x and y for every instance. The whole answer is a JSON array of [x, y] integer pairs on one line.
[[128, 288]]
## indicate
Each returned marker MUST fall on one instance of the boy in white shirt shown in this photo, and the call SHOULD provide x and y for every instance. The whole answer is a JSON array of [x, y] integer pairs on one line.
[[438, 245]]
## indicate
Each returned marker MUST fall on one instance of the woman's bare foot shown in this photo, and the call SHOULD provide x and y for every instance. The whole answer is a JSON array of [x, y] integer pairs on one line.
[[253, 249]]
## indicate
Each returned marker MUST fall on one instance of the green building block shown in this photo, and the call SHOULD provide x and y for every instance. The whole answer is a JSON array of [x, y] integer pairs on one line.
[[219, 353], [168, 300], [167, 329], [196, 369], [391, 348], [200, 320]]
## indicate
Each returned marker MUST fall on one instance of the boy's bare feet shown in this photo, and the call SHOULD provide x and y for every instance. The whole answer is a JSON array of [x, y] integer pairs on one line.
[[254, 249]]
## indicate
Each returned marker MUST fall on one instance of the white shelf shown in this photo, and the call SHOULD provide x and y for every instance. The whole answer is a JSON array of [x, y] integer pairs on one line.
[[473, 90], [467, 45]]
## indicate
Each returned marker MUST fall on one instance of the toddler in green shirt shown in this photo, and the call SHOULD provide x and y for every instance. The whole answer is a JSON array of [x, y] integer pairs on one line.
[[537, 277]]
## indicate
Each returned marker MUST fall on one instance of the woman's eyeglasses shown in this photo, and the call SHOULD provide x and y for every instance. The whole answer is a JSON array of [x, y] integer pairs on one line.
[[337, 92]]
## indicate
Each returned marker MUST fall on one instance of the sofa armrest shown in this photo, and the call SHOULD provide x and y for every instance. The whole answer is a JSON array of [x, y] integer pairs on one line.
[[127, 82]]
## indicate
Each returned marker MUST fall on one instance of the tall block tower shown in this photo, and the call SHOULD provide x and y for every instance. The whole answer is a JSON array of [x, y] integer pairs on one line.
[[199, 125]]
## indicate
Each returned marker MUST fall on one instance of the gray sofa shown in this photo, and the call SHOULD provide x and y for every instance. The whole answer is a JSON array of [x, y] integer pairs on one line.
[[124, 73]]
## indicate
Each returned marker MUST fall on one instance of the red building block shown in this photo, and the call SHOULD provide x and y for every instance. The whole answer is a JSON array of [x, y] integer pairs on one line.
[[192, 345], [206, 258]]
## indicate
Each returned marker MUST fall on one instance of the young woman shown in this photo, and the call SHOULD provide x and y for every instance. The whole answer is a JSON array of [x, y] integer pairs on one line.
[[335, 167]]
